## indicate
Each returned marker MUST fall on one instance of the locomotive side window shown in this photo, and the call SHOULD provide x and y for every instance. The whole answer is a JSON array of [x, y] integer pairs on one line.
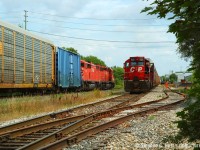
[[127, 64], [82, 64], [88, 65], [146, 70]]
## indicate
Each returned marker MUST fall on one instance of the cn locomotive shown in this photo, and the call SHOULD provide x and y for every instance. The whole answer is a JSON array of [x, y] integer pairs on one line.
[[31, 63], [140, 74]]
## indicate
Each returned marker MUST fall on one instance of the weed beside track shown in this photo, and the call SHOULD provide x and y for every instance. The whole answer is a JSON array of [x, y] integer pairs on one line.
[[13, 108]]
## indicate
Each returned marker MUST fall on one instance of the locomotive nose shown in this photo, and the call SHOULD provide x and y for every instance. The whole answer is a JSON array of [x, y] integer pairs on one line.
[[135, 79], [136, 82]]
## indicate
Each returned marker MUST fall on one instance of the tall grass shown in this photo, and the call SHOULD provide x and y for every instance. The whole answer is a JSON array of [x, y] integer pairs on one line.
[[14, 108]]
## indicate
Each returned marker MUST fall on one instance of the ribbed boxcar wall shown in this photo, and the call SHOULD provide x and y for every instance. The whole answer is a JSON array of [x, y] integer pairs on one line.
[[19, 73], [25, 61], [29, 62], [8, 56], [1, 51], [48, 64], [43, 61], [37, 61]]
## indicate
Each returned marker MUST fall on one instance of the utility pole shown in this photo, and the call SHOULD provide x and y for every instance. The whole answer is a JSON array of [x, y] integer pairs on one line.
[[25, 18]]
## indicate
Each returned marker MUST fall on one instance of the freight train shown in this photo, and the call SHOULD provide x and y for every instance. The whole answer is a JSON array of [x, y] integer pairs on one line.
[[140, 74], [29, 62]]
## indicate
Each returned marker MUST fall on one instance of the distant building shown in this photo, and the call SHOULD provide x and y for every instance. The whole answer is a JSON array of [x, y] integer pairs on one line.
[[180, 76], [183, 76]]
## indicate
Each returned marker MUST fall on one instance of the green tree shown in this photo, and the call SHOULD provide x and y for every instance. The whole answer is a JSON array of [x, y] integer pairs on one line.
[[118, 75], [94, 59], [186, 27], [164, 78], [173, 77], [71, 49]]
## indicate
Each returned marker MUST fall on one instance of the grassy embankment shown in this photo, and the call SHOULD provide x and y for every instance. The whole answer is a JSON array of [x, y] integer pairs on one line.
[[14, 108]]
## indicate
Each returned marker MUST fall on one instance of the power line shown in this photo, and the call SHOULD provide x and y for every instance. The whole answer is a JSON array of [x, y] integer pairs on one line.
[[9, 12], [11, 17], [89, 18], [60, 39], [103, 30], [116, 46], [92, 24], [100, 40]]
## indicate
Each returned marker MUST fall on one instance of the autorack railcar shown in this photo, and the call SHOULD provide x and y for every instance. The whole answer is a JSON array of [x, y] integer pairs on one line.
[[26, 60]]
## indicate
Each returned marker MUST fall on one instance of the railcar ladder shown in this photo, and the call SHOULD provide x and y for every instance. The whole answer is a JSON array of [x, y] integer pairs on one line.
[[71, 73]]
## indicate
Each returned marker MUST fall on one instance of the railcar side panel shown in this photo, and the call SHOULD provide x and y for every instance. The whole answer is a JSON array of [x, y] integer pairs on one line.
[[26, 60], [68, 69]]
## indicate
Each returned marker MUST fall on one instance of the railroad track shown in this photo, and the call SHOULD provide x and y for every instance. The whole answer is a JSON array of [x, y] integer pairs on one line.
[[17, 135], [64, 132], [118, 118]]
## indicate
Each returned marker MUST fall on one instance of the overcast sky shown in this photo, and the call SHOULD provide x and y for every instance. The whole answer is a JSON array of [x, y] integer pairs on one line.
[[112, 30]]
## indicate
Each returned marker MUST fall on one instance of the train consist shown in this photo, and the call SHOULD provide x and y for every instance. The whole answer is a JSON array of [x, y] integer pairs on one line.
[[29, 62], [140, 74]]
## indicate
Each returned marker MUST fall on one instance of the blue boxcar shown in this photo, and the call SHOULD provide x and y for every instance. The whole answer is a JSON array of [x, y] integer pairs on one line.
[[68, 70]]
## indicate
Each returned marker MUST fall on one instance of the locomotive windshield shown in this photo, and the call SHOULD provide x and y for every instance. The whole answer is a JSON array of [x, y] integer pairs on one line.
[[137, 63]]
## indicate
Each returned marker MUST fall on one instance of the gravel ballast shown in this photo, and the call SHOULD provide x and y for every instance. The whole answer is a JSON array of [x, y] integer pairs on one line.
[[147, 132]]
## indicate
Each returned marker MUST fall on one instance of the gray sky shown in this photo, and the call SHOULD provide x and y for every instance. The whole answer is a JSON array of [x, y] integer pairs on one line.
[[112, 30]]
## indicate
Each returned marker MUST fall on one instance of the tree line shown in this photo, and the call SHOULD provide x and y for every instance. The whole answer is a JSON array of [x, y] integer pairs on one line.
[[186, 27]]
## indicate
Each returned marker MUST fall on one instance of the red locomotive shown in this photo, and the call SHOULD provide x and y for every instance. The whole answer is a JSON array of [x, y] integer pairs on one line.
[[139, 74], [96, 76]]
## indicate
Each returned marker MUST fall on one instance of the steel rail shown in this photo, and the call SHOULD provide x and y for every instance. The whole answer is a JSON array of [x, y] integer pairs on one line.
[[10, 135], [58, 115], [59, 134], [68, 141], [127, 101], [39, 127]]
